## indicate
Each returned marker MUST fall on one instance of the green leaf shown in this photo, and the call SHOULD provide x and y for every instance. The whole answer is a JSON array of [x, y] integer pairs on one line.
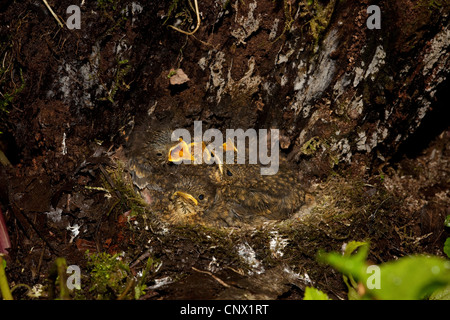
[[412, 278], [441, 294], [352, 246], [353, 294], [408, 278], [350, 265], [315, 294], [447, 247]]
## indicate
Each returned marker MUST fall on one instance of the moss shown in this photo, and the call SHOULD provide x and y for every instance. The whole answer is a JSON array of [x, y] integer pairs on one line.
[[288, 18], [311, 146], [321, 17], [119, 185], [108, 4], [113, 11], [122, 69], [108, 275], [9, 89], [433, 4], [171, 74], [172, 10], [8, 97]]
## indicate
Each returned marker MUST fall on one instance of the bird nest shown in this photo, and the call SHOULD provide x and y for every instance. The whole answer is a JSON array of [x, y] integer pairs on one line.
[[267, 259]]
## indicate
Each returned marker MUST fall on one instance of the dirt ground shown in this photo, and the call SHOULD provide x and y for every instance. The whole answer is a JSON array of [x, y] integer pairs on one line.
[[67, 193]]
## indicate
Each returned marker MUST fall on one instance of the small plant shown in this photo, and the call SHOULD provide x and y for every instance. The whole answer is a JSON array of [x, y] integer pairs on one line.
[[288, 18], [119, 83], [58, 279], [151, 267], [113, 11], [4, 286], [184, 15], [171, 73], [123, 190], [108, 4], [111, 277], [7, 98], [408, 278], [108, 274], [381, 176]]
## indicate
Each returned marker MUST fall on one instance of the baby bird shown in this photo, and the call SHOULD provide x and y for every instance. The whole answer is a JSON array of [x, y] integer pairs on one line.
[[246, 196], [148, 154], [218, 195], [193, 195]]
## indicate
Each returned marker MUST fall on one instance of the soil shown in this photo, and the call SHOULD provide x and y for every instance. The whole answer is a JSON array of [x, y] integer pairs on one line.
[[85, 90]]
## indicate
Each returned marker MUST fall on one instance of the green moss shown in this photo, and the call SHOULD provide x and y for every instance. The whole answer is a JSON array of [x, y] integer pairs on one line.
[[310, 147], [172, 10], [9, 90], [108, 4], [122, 69], [434, 4], [113, 11], [321, 18], [8, 97], [108, 275], [171, 74], [288, 18], [121, 187]]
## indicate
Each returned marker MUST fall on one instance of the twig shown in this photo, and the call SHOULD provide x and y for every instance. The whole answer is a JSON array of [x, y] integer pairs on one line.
[[205, 43], [111, 183], [239, 272], [141, 257], [198, 22], [41, 257], [20, 285], [53, 14], [127, 289], [212, 275]]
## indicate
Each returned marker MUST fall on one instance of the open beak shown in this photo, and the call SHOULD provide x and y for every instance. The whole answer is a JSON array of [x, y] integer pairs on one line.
[[180, 152], [229, 146], [220, 164], [203, 147], [185, 195]]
